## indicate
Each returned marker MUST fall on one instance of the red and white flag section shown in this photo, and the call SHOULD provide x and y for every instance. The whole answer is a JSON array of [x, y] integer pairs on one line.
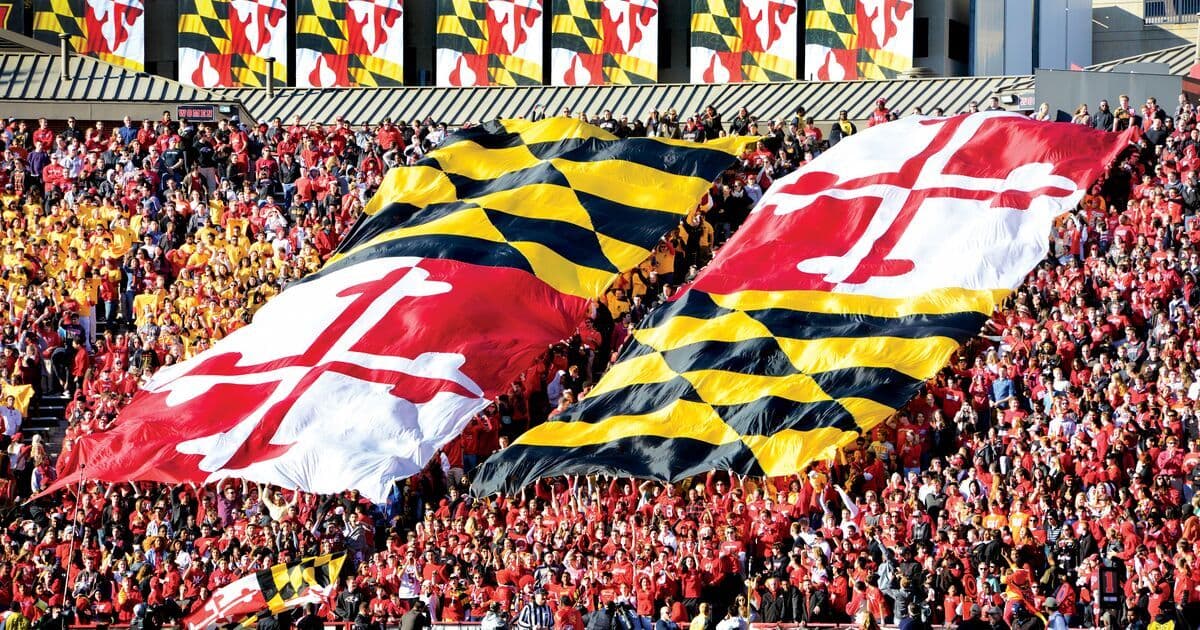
[[279, 401], [924, 204]]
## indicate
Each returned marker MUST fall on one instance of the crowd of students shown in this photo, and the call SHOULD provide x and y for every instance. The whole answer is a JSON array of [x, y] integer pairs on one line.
[[1060, 443]]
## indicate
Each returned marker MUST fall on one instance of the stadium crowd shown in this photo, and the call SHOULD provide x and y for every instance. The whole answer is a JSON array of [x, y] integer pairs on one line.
[[1060, 444]]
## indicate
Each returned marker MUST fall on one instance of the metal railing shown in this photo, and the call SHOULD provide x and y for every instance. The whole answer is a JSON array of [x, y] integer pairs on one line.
[[474, 625], [1170, 11]]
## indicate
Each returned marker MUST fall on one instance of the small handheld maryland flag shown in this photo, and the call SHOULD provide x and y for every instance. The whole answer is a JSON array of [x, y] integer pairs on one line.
[[1018, 587], [282, 587]]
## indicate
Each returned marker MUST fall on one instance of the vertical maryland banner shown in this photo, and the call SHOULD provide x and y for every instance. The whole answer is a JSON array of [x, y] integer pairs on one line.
[[744, 40], [597, 42], [489, 42], [349, 43], [225, 43], [857, 39], [12, 16], [112, 30]]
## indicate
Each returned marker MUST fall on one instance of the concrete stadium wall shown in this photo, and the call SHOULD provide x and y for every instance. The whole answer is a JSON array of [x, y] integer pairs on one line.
[[1119, 30], [1067, 89]]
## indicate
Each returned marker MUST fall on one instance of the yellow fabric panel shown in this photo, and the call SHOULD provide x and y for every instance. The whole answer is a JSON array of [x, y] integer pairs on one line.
[[918, 358], [476, 162], [538, 201], [648, 368], [681, 419], [22, 395], [641, 186], [788, 451], [563, 275], [555, 129], [733, 145], [623, 255], [951, 300], [718, 387], [681, 330], [419, 185], [866, 412]]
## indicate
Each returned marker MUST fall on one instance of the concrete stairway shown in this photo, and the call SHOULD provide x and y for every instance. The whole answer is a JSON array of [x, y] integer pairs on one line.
[[48, 417]]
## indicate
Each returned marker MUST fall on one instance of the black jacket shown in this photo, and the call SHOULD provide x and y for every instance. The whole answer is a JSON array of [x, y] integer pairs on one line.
[[347, 605], [413, 620], [836, 134], [1029, 622], [818, 609], [974, 624], [772, 606], [599, 620], [269, 623]]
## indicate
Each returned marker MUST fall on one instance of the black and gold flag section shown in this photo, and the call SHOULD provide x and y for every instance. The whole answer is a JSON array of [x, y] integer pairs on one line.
[[742, 383], [563, 200]]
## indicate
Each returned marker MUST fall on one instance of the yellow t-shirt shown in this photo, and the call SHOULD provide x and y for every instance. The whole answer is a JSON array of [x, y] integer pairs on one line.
[[75, 267], [264, 249], [146, 302], [85, 298], [57, 239], [123, 239], [617, 306], [12, 260], [198, 258]]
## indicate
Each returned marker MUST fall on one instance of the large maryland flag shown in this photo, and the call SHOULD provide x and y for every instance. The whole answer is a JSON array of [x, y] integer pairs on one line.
[[850, 285], [243, 602], [463, 270]]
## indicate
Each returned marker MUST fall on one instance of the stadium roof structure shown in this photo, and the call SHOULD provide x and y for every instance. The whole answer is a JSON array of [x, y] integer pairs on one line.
[[33, 84], [1179, 60], [766, 101]]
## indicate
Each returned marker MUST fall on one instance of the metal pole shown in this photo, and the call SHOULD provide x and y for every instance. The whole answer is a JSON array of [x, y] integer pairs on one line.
[[64, 48], [1196, 55], [271, 77]]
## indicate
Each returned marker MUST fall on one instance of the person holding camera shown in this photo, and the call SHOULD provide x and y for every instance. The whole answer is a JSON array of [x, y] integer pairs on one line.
[[495, 618], [56, 618], [603, 618], [915, 619], [417, 617]]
